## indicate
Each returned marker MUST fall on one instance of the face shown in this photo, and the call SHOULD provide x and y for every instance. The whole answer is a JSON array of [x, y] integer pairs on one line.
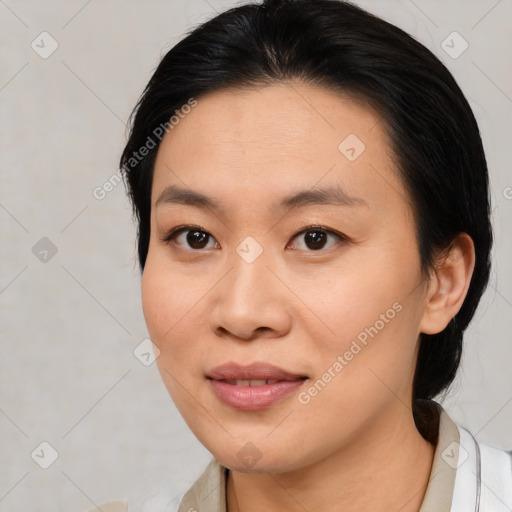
[[302, 256]]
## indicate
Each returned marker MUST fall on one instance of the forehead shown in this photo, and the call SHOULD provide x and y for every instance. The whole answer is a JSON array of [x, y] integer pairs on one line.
[[270, 139]]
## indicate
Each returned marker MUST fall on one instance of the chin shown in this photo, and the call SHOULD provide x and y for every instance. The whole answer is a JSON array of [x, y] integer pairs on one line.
[[250, 459]]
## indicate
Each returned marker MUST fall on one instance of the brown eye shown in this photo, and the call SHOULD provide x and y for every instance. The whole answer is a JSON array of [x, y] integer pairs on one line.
[[189, 237], [197, 239], [316, 238]]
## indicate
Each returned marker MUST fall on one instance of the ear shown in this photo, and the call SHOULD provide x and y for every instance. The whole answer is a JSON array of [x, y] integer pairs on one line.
[[448, 284]]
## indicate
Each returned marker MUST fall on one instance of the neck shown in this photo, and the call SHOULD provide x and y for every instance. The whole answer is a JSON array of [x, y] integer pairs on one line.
[[386, 468]]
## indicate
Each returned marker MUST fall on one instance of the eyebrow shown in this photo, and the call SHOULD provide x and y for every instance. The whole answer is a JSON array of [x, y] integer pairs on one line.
[[332, 195]]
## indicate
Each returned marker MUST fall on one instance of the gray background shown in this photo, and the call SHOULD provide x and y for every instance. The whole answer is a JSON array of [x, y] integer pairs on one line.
[[70, 323]]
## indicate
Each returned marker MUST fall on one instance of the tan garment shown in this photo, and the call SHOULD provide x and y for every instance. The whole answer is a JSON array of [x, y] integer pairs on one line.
[[112, 506], [208, 493]]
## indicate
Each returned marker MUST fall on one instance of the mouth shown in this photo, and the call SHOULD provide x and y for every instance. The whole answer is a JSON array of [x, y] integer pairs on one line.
[[253, 382], [253, 387], [256, 374]]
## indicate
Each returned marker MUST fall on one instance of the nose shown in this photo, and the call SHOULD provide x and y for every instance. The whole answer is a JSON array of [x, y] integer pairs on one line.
[[251, 301]]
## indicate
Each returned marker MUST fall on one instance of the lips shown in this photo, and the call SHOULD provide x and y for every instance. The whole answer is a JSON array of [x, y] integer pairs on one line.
[[254, 373], [254, 387]]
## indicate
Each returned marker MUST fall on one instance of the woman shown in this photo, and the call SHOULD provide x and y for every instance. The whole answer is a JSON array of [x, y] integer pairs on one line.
[[312, 200]]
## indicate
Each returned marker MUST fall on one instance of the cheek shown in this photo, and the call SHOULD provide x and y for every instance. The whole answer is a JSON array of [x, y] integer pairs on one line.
[[370, 316], [161, 305], [167, 303], [155, 302], [166, 296], [171, 301], [364, 290]]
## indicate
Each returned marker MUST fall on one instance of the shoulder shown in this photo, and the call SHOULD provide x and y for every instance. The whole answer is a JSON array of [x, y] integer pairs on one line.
[[111, 506], [484, 476], [467, 474], [208, 493]]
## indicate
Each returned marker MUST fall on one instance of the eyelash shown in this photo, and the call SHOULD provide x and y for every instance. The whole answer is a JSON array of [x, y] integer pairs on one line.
[[167, 239]]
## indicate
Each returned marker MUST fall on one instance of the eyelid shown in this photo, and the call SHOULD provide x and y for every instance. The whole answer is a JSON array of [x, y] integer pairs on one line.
[[319, 227]]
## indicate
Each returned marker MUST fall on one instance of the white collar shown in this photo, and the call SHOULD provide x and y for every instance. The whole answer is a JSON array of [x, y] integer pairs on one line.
[[483, 482]]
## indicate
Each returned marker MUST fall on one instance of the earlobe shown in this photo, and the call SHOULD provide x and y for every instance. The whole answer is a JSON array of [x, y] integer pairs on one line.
[[448, 285]]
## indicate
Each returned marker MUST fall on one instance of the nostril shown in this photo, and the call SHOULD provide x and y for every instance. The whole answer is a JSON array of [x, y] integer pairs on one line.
[[263, 329]]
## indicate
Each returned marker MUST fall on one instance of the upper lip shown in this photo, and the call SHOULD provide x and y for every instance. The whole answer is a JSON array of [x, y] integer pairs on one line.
[[254, 371]]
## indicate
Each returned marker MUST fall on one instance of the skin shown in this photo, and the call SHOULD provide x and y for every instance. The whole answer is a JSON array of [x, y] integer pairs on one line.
[[354, 446]]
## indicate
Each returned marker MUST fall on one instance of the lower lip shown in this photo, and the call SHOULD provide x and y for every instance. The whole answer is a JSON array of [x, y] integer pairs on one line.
[[251, 398]]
